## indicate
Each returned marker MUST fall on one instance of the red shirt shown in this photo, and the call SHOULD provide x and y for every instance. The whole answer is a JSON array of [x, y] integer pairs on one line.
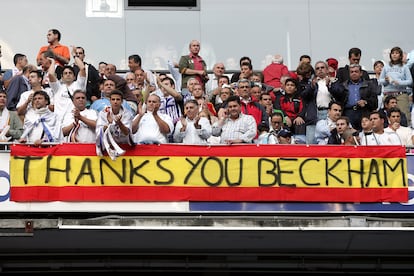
[[198, 65], [252, 109], [272, 74]]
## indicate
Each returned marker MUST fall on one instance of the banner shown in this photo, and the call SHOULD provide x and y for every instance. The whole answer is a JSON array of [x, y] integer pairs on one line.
[[170, 172]]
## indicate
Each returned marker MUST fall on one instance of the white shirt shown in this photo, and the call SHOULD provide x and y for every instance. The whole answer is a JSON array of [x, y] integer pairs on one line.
[[264, 138], [85, 134], [63, 96], [192, 135], [404, 133], [211, 84], [170, 107], [386, 138], [323, 130], [368, 139], [323, 97], [25, 95], [149, 131], [116, 132]]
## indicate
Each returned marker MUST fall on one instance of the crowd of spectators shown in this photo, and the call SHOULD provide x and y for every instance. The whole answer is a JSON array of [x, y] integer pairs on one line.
[[59, 101]]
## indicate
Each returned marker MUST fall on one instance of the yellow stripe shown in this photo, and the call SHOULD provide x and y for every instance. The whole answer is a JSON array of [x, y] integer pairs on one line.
[[210, 171]]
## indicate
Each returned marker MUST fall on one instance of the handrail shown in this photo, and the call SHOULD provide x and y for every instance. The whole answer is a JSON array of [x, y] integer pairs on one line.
[[168, 72], [5, 146]]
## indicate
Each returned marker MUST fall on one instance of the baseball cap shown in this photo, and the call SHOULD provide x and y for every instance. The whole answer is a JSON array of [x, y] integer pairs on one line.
[[285, 133]]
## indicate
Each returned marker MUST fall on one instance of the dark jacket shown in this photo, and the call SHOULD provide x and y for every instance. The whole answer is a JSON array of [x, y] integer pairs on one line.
[[367, 92], [187, 62], [343, 74], [309, 98], [17, 86], [335, 139], [92, 83]]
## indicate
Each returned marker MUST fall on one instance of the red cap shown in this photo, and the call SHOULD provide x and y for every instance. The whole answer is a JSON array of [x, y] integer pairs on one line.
[[332, 63]]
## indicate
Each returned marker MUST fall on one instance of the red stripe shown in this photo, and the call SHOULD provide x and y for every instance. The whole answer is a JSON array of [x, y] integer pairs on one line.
[[105, 193], [221, 150]]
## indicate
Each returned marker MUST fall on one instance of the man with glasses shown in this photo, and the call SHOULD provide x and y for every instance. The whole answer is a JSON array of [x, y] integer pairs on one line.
[[277, 124], [130, 79], [92, 77], [317, 96], [225, 92], [248, 106]]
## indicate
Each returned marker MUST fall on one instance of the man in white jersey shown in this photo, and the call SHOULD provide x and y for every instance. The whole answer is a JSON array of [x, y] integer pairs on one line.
[[63, 90]]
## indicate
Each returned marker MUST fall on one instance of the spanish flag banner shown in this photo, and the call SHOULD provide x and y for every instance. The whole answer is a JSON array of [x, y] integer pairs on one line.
[[171, 172]]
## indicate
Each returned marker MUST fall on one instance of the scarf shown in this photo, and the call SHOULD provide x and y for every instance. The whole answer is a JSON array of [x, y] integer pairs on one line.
[[74, 133], [106, 143], [45, 116]]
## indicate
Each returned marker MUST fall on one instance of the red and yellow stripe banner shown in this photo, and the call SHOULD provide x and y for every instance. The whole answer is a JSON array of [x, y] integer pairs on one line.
[[73, 172]]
